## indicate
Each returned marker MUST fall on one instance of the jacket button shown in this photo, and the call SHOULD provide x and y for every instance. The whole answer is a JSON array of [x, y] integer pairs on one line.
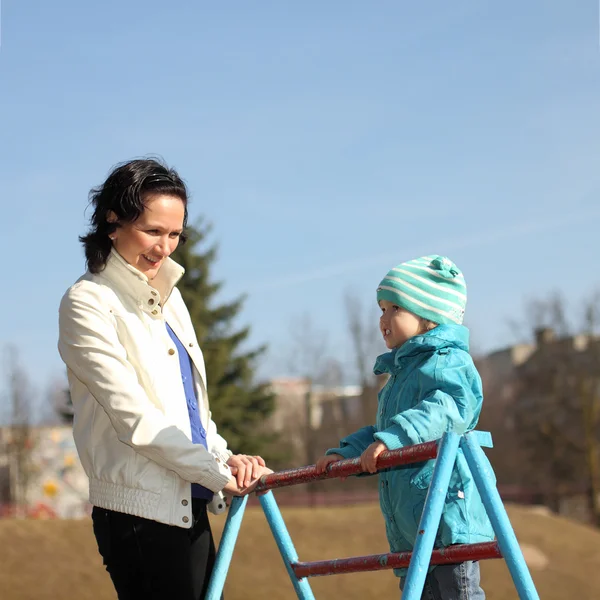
[[185, 519], [151, 301], [154, 312], [171, 351], [184, 502], [153, 292], [191, 344]]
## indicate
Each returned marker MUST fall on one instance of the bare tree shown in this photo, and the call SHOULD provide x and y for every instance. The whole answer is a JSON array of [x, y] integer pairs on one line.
[[329, 415], [366, 343], [309, 359], [59, 407], [557, 403], [309, 347], [19, 443], [497, 417], [589, 390], [541, 314]]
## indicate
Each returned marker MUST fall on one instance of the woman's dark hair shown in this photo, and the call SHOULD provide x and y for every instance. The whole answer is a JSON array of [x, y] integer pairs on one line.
[[126, 192]]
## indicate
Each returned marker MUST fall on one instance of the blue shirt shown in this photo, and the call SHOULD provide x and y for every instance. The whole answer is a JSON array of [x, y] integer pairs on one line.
[[198, 431]]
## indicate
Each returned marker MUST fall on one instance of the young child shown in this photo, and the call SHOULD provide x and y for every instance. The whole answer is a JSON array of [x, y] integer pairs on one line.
[[433, 387]]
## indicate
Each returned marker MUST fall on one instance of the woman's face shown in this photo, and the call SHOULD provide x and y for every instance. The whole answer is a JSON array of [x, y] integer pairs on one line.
[[153, 236]]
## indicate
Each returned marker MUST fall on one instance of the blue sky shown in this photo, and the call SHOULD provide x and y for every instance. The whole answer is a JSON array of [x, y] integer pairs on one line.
[[325, 141]]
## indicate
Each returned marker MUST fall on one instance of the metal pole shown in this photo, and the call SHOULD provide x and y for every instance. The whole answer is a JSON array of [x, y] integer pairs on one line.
[[348, 466], [378, 562], [285, 544], [430, 519], [226, 547], [483, 476]]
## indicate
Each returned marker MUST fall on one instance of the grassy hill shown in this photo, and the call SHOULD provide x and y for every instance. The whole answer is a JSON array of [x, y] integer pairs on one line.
[[45, 560]]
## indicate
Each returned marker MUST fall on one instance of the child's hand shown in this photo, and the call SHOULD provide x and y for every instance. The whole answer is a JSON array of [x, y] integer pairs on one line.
[[368, 459], [325, 461]]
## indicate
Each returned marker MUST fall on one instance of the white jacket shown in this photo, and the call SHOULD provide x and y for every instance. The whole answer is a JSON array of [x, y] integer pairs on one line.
[[131, 425]]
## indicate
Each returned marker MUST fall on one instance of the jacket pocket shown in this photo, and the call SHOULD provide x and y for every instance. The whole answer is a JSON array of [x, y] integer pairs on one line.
[[146, 474], [422, 478]]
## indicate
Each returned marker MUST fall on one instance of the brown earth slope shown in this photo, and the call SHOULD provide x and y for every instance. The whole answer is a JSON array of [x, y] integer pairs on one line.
[[57, 559]]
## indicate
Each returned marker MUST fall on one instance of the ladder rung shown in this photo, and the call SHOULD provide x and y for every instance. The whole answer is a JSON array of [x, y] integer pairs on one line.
[[348, 466], [377, 562]]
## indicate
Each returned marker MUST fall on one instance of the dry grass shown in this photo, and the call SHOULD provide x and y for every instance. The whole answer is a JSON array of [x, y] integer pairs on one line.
[[58, 559]]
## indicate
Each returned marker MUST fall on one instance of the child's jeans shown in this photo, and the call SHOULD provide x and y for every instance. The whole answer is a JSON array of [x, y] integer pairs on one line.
[[452, 582]]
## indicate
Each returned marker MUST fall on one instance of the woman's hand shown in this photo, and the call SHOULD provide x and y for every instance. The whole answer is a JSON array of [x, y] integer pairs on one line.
[[368, 459], [234, 489], [246, 468], [250, 488]]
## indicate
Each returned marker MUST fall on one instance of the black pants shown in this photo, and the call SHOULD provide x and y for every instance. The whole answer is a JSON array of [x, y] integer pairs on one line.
[[148, 560]]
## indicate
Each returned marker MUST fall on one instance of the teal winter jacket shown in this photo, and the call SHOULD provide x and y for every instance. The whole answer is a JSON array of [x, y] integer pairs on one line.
[[433, 388]]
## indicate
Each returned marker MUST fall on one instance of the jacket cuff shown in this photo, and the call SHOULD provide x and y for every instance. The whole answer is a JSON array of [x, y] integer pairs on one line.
[[215, 482], [222, 453], [393, 437], [346, 452]]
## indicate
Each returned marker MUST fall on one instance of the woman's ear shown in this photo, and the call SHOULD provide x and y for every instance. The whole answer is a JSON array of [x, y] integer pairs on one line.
[[111, 217]]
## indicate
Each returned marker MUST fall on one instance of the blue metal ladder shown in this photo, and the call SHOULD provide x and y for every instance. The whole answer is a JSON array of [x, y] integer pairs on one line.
[[446, 450]]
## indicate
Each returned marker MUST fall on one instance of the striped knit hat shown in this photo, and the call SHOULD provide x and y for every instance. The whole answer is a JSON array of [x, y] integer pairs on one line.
[[431, 287]]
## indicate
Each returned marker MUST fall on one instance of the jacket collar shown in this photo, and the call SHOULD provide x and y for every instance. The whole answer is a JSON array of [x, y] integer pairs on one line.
[[442, 336], [134, 283]]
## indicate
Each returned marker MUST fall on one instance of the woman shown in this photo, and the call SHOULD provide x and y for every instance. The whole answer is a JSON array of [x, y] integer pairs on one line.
[[142, 426]]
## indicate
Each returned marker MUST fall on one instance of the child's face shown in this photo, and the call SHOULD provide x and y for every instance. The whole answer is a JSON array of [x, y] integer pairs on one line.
[[397, 325]]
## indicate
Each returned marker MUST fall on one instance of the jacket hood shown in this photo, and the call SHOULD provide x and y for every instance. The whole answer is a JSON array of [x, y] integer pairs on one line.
[[442, 336]]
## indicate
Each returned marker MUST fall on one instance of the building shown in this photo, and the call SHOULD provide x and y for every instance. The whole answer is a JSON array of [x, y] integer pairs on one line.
[[311, 416], [47, 481]]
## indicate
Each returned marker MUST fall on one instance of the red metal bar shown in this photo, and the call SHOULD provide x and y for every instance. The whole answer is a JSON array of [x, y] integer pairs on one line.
[[378, 562], [347, 467]]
